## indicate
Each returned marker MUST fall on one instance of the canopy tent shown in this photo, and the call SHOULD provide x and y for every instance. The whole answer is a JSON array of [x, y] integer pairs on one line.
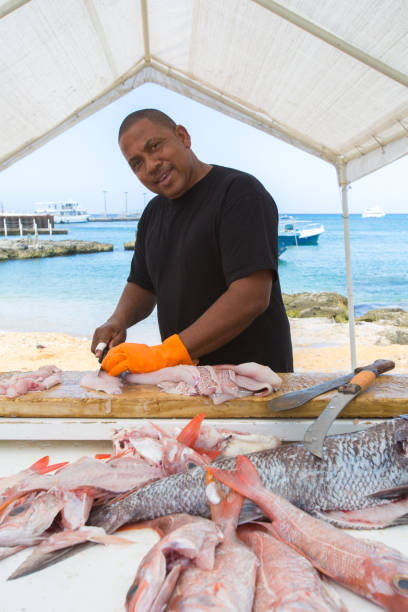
[[327, 76]]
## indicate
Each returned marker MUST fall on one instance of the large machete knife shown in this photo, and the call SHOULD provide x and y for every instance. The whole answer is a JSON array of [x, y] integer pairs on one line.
[[316, 432], [294, 399]]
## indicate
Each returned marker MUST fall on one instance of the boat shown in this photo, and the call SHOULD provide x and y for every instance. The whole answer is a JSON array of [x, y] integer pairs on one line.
[[281, 247], [296, 232], [64, 212], [374, 211]]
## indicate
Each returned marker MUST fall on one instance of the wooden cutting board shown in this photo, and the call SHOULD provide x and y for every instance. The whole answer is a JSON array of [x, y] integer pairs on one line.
[[388, 397]]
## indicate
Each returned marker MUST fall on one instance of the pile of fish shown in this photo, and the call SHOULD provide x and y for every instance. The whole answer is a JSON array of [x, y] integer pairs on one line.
[[220, 382], [21, 383], [203, 564], [49, 505]]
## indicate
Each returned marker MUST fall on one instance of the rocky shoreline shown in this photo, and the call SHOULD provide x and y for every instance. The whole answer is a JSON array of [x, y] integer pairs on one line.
[[30, 248], [334, 306]]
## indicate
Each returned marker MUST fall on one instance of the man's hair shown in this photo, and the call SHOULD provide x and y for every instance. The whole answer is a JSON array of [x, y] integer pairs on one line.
[[154, 115]]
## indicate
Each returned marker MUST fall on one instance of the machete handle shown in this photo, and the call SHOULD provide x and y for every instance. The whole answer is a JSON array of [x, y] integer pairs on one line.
[[378, 367], [359, 382]]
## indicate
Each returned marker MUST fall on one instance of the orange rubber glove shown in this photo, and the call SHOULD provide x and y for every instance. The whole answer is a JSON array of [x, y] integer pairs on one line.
[[143, 358]]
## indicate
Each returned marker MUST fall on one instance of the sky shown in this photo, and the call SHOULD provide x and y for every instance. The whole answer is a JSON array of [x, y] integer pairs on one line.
[[85, 161]]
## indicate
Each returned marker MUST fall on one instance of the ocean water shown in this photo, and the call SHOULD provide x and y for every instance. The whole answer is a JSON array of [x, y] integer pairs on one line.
[[77, 293]]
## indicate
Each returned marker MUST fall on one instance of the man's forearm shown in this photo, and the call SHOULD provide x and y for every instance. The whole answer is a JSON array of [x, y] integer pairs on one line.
[[135, 304], [233, 312]]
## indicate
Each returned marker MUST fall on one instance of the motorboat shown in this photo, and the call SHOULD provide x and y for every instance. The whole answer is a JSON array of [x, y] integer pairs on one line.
[[64, 212], [374, 211], [297, 232]]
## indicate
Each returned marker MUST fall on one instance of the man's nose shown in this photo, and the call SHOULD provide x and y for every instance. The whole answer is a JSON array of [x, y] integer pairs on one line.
[[152, 164]]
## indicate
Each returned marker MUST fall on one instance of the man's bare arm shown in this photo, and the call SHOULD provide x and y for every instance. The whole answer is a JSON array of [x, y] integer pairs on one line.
[[244, 300], [135, 304]]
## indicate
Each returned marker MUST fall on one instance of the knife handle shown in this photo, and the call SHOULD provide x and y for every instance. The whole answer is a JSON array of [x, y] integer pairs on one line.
[[359, 382], [378, 367]]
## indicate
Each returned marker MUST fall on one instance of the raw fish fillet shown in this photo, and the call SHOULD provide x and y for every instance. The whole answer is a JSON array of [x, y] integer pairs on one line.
[[221, 383], [102, 382], [21, 383]]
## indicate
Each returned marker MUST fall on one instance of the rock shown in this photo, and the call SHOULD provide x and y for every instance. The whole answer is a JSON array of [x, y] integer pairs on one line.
[[29, 249], [129, 246], [397, 336], [393, 316], [326, 304]]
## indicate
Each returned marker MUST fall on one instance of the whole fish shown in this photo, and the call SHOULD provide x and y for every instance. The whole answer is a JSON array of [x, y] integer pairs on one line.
[[285, 580], [370, 569], [190, 540], [230, 583], [356, 467]]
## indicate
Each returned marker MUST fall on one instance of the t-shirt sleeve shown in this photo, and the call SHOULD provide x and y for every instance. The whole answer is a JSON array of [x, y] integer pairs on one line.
[[248, 231], [139, 273]]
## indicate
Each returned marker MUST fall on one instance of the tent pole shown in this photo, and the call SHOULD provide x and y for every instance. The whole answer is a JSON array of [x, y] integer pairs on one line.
[[341, 174]]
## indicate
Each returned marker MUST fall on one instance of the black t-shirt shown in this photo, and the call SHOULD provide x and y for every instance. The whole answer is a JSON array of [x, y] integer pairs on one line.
[[190, 249]]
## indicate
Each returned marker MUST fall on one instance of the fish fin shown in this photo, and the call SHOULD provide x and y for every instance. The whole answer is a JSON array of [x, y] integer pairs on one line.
[[388, 514], [244, 479], [41, 466], [189, 434], [393, 493], [47, 559], [103, 456]]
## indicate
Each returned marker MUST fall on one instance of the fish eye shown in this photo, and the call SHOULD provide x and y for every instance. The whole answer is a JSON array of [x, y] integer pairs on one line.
[[400, 582], [18, 509]]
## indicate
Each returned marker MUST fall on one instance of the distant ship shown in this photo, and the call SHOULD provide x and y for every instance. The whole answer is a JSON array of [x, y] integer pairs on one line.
[[64, 212], [374, 211]]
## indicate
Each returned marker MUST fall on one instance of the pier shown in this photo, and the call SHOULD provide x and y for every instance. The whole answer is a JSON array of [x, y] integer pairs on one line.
[[21, 224]]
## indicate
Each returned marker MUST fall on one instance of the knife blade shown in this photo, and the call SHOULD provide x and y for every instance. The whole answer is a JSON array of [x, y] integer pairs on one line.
[[316, 432], [294, 399], [102, 346]]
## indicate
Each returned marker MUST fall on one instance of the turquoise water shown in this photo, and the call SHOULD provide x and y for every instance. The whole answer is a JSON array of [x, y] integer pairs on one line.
[[75, 294]]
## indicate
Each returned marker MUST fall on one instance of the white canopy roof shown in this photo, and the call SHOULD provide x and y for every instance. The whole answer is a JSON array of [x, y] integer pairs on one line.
[[328, 76]]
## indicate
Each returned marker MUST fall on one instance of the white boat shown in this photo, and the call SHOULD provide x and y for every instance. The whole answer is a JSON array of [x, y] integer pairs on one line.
[[298, 232], [64, 212], [374, 211]]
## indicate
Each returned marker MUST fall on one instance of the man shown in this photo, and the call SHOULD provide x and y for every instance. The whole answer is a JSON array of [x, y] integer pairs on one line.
[[205, 253]]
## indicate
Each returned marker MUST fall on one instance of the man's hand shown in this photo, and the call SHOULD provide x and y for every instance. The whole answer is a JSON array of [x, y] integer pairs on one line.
[[143, 358], [110, 333]]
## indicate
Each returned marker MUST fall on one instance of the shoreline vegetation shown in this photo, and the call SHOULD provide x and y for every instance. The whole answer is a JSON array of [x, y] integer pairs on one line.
[[320, 343]]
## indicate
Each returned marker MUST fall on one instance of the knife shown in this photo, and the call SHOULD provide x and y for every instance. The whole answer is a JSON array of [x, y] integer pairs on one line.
[[294, 399], [102, 346], [316, 432]]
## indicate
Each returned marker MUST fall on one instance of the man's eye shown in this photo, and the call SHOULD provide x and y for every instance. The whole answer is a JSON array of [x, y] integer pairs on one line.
[[135, 164]]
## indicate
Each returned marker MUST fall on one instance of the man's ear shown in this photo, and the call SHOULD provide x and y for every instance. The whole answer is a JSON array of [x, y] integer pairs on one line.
[[183, 135]]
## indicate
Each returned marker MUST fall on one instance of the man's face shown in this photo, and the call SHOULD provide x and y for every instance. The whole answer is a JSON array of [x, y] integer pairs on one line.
[[160, 157]]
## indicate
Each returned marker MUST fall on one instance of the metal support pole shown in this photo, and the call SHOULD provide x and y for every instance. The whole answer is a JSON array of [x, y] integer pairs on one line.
[[104, 201], [341, 174], [20, 227], [5, 227]]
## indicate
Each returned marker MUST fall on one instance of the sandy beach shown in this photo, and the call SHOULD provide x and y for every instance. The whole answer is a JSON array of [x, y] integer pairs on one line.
[[320, 345]]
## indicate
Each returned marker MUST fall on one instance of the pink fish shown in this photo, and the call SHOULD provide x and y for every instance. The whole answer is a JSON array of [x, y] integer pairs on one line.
[[26, 522], [370, 569], [192, 541], [230, 584], [285, 580]]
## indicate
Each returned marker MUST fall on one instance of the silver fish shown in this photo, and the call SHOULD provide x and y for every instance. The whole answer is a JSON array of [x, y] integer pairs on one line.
[[359, 470]]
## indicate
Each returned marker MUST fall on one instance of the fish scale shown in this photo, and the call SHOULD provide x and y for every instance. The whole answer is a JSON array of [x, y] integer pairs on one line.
[[355, 466]]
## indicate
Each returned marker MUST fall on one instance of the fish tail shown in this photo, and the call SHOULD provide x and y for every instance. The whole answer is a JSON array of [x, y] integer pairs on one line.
[[244, 479], [189, 434]]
